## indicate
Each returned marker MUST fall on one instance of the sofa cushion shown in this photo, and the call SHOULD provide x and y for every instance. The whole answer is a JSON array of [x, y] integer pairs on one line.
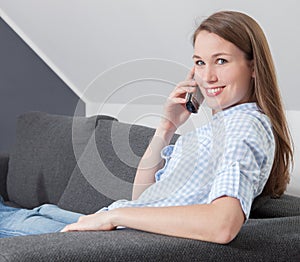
[[106, 170], [43, 157], [267, 207]]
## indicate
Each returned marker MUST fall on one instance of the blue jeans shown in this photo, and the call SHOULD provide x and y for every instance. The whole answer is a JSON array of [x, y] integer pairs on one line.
[[47, 218]]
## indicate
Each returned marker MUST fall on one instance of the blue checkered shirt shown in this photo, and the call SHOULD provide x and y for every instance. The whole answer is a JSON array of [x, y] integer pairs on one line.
[[230, 156]]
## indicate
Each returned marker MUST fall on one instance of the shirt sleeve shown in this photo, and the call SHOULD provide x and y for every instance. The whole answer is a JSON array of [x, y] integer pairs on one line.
[[245, 165]]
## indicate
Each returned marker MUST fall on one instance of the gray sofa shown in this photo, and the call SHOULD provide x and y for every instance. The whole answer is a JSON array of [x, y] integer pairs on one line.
[[83, 164]]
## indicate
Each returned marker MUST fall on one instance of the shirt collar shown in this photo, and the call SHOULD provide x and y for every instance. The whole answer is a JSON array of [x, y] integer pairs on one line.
[[241, 107]]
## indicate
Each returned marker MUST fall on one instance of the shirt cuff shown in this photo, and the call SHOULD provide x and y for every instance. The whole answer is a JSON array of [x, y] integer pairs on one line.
[[166, 154]]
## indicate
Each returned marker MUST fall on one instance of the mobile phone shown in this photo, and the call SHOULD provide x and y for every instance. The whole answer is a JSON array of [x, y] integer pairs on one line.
[[194, 100]]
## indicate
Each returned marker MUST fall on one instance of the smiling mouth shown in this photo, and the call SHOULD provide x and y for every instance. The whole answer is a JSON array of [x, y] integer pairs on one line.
[[214, 91]]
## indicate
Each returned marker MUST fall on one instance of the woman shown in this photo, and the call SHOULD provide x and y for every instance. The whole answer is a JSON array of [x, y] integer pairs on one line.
[[203, 187]]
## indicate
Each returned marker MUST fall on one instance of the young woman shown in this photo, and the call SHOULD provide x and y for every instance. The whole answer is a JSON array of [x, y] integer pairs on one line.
[[203, 186]]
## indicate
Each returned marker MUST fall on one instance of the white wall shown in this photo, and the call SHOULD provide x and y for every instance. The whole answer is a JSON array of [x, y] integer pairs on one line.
[[294, 124], [129, 54], [81, 39]]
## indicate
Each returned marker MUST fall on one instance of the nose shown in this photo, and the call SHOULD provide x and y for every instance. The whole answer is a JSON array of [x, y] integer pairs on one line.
[[209, 74]]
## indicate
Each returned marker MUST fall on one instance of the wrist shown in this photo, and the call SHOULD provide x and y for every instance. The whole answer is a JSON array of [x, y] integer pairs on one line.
[[167, 126], [165, 134], [115, 217]]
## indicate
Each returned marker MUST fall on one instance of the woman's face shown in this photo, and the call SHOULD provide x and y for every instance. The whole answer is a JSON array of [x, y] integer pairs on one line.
[[221, 71]]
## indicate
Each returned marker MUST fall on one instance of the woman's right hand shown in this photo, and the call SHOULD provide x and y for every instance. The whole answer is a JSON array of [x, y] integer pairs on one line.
[[175, 112]]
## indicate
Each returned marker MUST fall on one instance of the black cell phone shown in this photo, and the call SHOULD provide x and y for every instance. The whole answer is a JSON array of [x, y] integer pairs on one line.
[[194, 100]]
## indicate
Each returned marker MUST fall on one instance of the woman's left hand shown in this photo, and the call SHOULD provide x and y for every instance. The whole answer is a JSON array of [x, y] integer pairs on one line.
[[94, 222]]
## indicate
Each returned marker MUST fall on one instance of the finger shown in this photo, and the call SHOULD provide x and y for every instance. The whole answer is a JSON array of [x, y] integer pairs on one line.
[[185, 85], [66, 229], [73, 227], [190, 82], [178, 100], [190, 74], [180, 90]]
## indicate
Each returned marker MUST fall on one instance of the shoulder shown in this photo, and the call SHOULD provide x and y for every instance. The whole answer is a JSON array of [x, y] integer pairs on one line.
[[245, 120]]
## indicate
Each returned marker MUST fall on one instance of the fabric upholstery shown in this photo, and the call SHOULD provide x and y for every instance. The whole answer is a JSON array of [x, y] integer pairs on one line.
[[43, 158], [47, 165], [106, 169], [266, 207], [260, 240]]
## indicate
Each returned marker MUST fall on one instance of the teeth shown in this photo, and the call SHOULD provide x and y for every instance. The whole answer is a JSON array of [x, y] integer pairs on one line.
[[213, 90]]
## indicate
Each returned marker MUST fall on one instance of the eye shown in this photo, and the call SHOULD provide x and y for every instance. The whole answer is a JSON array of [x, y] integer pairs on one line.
[[199, 62], [221, 61]]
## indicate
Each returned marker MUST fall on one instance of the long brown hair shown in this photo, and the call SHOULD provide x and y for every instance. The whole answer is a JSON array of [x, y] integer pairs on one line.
[[245, 33]]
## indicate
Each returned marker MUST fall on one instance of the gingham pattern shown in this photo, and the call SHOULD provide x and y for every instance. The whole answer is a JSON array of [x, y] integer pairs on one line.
[[230, 156]]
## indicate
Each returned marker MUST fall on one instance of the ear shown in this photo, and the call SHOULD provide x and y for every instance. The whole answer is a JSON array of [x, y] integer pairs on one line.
[[252, 68]]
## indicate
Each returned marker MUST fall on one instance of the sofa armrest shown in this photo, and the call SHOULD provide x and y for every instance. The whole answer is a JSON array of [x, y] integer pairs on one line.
[[259, 240], [3, 174]]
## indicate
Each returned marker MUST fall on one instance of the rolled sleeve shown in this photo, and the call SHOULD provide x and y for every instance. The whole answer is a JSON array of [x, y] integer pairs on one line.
[[245, 165], [233, 182]]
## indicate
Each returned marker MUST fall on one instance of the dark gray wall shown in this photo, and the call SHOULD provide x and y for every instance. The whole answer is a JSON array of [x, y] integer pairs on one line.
[[27, 84]]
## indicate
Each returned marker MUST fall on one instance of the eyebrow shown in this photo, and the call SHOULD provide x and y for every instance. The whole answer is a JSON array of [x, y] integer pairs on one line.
[[214, 55]]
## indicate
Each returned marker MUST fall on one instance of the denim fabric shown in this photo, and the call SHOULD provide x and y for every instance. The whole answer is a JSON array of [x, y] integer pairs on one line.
[[47, 218]]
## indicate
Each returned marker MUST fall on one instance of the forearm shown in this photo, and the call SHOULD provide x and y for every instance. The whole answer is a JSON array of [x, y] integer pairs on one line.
[[172, 221], [208, 222], [151, 162]]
